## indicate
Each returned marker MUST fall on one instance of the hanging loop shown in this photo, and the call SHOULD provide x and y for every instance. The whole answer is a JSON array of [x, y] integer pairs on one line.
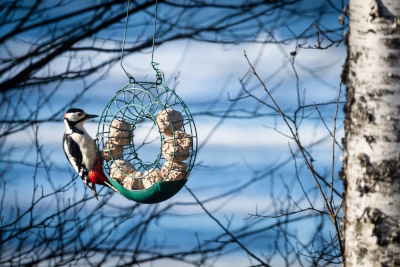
[[159, 73], [130, 77], [154, 34]]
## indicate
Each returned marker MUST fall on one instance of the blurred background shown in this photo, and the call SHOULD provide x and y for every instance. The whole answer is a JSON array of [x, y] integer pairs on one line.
[[257, 203]]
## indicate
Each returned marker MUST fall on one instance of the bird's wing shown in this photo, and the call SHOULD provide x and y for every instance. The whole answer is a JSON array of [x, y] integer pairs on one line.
[[74, 155]]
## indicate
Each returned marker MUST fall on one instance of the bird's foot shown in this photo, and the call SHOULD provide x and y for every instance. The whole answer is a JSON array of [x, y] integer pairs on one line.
[[110, 186]]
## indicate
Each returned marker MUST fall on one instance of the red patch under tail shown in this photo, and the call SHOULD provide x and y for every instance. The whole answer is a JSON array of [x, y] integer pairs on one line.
[[97, 175]]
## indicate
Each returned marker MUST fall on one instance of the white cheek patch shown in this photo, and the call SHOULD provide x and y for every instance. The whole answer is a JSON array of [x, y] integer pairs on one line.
[[70, 116], [74, 116]]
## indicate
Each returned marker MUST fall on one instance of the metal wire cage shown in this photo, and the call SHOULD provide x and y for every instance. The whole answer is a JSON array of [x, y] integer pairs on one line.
[[154, 180]]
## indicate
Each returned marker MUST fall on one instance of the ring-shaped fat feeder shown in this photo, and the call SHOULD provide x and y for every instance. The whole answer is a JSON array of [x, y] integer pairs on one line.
[[132, 177]]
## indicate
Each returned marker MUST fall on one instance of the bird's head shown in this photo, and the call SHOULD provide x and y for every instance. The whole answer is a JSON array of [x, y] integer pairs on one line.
[[77, 116]]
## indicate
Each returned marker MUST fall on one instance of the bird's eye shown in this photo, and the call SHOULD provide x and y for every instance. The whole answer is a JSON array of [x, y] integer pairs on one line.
[[79, 114]]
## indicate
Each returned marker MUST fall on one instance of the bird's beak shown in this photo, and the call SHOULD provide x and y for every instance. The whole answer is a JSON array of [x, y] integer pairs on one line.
[[89, 116]]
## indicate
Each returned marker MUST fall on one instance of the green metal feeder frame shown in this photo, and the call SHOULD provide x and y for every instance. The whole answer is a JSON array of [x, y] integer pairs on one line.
[[133, 104]]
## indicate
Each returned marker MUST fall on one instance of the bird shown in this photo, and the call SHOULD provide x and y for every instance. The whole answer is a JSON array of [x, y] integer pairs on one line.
[[81, 151]]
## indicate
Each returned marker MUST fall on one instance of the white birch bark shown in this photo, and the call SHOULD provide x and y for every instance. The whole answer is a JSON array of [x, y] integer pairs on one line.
[[372, 135]]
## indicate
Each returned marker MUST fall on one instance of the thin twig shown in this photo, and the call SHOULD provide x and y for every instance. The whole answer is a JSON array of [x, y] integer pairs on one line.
[[285, 214], [333, 143], [297, 176], [331, 212], [338, 209], [226, 230], [326, 126]]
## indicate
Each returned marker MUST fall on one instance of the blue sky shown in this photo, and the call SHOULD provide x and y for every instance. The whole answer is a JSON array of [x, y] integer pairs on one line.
[[238, 148]]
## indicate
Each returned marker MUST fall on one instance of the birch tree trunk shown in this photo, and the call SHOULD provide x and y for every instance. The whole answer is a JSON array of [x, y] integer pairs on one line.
[[372, 135]]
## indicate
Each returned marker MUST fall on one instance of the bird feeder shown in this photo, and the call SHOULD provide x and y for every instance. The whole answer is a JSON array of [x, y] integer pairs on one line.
[[146, 181], [136, 179]]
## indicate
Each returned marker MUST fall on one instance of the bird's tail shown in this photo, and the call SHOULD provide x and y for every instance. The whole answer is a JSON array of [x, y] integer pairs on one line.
[[91, 185], [94, 193]]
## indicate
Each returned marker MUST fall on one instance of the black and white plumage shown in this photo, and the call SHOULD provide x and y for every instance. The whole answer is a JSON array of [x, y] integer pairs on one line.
[[79, 147]]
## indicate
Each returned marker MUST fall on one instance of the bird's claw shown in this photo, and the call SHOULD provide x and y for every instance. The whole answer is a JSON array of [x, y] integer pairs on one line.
[[112, 187]]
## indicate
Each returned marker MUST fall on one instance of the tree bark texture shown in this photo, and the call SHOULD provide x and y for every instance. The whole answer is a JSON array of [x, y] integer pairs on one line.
[[372, 134]]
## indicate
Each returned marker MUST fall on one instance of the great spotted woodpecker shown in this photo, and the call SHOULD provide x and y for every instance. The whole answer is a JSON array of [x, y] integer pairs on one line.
[[81, 150]]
